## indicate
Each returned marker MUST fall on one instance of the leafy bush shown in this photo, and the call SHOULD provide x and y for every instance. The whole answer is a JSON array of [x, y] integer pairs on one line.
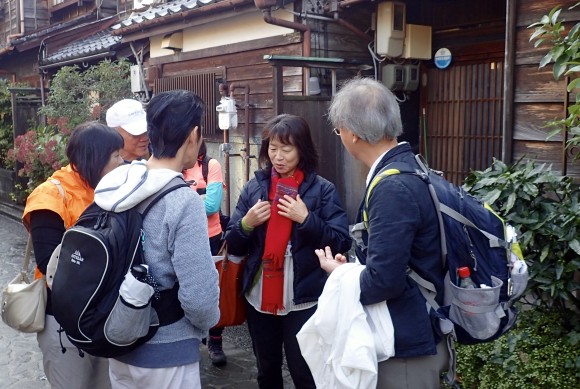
[[75, 97], [78, 96], [6, 129], [6, 143], [41, 152], [541, 352], [544, 208]]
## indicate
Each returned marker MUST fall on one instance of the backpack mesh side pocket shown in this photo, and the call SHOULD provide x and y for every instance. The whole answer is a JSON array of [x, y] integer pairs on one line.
[[132, 316], [478, 311]]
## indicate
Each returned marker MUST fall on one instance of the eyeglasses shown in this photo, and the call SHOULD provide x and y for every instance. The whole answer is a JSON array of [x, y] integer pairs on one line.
[[336, 131]]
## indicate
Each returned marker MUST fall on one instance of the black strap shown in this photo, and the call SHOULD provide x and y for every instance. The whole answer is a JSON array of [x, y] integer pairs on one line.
[[168, 307], [205, 167], [176, 182]]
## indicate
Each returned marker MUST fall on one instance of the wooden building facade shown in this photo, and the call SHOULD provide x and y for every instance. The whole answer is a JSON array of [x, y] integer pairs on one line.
[[492, 101]]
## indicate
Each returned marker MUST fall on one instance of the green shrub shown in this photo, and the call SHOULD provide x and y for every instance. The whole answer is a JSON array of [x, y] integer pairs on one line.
[[41, 152], [78, 96], [541, 352], [544, 208], [6, 129], [6, 143], [75, 97]]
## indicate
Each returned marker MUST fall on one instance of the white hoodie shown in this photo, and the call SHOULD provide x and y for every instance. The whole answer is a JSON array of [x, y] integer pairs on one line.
[[128, 185]]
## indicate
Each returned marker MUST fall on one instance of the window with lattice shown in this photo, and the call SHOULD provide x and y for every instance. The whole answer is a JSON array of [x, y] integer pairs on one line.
[[205, 85]]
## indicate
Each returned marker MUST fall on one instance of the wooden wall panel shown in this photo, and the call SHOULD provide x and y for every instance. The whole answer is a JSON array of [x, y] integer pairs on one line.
[[245, 68], [530, 120], [530, 11], [548, 152], [538, 98], [535, 85], [449, 14], [526, 53]]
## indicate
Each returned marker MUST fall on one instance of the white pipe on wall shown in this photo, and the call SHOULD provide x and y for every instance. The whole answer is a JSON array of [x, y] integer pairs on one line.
[[21, 16]]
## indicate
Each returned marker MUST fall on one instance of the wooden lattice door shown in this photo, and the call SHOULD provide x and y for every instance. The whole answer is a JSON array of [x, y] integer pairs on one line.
[[462, 118]]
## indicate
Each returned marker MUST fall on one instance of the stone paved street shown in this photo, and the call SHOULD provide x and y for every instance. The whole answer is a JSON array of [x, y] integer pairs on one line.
[[21, 360]]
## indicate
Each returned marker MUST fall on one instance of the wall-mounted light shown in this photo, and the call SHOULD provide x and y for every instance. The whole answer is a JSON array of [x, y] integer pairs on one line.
[[313, 86]]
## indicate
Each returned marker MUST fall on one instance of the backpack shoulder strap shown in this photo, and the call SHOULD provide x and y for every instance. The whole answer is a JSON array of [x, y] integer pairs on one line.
[[176, 182], [205, 167], [389, 170], [437, 204]]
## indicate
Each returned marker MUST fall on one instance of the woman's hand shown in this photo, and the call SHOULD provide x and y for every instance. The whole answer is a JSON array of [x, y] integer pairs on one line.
[[327, 262], [293, 209], [258, 214]]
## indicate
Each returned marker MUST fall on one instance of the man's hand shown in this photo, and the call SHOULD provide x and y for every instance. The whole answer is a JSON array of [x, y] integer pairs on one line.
[[293, 209], [327, 262]]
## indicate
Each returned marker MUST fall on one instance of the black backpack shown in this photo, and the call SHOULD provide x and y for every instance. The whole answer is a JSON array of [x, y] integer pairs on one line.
[[95, 255]]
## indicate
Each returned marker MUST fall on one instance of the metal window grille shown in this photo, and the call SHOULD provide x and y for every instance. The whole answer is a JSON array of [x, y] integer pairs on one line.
[[205, 85]]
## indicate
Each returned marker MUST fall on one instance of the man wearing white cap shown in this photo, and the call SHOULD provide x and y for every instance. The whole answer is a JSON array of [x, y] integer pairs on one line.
[[128, 118]]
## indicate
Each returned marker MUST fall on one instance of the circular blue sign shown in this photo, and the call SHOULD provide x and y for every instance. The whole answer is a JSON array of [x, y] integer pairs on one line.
[[443, 58]]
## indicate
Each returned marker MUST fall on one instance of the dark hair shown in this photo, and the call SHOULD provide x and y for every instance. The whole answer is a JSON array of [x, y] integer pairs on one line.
[[89, 150], [290, 130], [202, 149], [171, 116]]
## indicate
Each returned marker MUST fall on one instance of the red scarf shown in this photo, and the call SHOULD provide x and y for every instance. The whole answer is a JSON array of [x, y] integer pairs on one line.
[[277, 237]]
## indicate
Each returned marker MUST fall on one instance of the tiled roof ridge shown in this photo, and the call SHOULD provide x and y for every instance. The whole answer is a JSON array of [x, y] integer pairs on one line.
[[160, 13]]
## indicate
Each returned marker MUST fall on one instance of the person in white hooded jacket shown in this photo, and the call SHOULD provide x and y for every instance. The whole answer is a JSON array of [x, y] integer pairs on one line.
[[175, 245]]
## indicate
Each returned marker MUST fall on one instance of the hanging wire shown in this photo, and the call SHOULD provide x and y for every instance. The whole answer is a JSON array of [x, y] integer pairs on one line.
[[376, 59]]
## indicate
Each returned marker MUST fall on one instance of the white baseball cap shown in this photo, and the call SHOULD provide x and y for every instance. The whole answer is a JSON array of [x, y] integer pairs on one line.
[[129, 115]]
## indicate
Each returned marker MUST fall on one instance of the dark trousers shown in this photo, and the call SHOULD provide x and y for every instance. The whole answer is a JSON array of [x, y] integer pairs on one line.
[[215, 244], [271, 333]]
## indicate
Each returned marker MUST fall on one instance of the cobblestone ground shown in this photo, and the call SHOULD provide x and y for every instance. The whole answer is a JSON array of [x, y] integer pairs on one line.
[[21, 360]]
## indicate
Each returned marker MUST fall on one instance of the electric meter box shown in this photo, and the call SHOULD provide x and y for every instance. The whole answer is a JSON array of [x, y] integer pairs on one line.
[[136, 79], [393, 76], [417, 42], [390, 29], [411, 78]]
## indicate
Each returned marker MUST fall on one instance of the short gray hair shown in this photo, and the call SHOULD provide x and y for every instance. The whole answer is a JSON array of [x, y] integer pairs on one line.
[[368, 109]]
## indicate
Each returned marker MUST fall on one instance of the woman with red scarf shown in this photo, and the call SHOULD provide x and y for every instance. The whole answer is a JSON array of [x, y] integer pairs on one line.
[[283, 214]]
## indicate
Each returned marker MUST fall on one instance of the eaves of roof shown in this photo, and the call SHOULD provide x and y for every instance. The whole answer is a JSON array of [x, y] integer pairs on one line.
[[171, 12], [101, 43], [56, 42], [32, 40]]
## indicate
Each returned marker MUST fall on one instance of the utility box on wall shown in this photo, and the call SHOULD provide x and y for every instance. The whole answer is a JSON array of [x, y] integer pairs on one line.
[[136, 79], [393, 76], [417, 42], [390, 28]]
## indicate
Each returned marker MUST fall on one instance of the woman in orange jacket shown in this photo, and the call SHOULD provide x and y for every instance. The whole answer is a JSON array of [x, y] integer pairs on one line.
[[53, 207]]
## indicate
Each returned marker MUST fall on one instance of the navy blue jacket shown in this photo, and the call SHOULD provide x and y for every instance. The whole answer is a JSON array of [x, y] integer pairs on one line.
[[403, 232], [326, 225]]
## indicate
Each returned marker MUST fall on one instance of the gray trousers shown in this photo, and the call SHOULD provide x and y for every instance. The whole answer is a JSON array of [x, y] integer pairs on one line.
[[69, 370], [414, 373]]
